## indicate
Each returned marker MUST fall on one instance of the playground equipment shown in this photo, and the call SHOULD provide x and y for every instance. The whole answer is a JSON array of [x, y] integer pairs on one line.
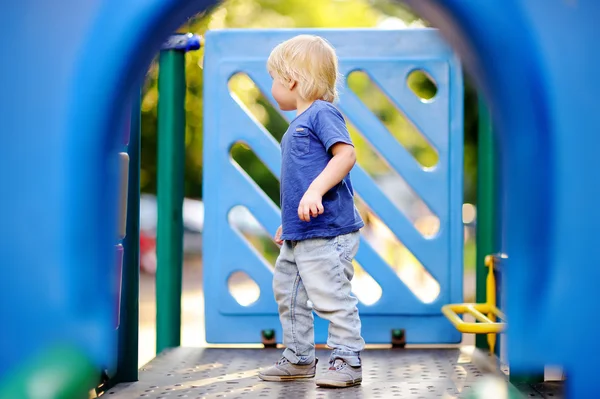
[[388, 64], [532, 60]]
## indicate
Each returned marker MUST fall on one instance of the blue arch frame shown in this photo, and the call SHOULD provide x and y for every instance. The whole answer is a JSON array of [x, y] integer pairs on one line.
[[532, 59]]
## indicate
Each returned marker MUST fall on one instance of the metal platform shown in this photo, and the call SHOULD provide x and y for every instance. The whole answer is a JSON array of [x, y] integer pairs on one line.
[[197, 373]]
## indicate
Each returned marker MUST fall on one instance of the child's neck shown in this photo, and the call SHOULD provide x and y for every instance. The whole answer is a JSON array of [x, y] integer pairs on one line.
[[303, 106]]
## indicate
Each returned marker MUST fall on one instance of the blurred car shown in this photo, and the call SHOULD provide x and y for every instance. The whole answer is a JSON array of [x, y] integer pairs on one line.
[[193, 221], [147, 253]]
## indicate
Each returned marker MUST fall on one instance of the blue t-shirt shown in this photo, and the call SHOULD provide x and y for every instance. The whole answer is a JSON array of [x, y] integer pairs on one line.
[[305, 153]]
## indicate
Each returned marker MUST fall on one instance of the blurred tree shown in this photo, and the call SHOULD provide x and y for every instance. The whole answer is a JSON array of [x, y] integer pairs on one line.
[[288, 14]]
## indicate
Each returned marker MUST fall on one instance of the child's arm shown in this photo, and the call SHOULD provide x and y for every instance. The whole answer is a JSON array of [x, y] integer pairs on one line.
[[338, 167]]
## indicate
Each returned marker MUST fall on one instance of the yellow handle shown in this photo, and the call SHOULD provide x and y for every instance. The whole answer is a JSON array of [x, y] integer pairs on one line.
[[477, 310], [488, 318]]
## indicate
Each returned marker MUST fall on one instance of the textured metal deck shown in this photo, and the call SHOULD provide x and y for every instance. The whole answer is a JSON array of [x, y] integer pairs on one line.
[[196, 373]]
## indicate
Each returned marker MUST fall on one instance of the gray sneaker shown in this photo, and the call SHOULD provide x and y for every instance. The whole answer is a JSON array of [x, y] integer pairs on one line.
[[283, 370], [340, 375]]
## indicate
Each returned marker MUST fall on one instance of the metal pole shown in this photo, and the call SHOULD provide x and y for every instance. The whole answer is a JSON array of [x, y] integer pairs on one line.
[[486, 207], [171, 155]]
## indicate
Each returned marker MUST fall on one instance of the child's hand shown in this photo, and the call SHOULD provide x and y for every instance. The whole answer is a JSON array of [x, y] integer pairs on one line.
[[278, 239], [310, 205]]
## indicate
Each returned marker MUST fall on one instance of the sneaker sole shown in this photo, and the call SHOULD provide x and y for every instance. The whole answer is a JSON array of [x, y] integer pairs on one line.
[[338, 384], [280, 378]]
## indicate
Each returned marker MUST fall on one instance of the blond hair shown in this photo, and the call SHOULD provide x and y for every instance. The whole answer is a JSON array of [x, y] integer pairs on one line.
[[311, 62]]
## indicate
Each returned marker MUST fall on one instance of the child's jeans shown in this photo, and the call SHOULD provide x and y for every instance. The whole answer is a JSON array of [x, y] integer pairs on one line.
[[318, 270]]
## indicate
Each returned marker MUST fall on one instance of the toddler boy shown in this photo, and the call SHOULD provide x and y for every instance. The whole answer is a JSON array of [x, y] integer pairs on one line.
[[319, 235]]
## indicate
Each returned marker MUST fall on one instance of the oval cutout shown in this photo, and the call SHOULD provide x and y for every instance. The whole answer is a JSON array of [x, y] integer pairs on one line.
[[364, 287], [422, 85], [242, 288]]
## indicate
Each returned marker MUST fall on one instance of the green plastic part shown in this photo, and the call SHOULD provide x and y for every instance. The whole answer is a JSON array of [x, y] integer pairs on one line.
[[171, 156], [486, 208], [268, 334], [60, 373], [398, 334]]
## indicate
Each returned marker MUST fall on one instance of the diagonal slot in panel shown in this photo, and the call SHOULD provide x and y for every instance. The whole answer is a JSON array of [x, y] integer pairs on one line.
[[247, 159], [249, 194], [407, 267], [243, 89], [252, 133], [393, 288], [427, 249], [393, 186], [425, 183], [396, 122], [244, 222]]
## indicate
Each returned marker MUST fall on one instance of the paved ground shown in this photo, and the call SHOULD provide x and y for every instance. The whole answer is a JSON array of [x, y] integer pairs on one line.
[[192, 310]]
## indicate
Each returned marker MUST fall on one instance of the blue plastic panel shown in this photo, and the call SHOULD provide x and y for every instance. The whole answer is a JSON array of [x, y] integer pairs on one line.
[[388, 57]]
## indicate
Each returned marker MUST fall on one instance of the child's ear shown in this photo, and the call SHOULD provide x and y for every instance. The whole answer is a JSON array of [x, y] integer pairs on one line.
[[292, 84]]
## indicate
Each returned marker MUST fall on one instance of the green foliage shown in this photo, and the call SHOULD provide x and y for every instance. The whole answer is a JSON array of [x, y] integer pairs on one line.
[[290, 14]]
